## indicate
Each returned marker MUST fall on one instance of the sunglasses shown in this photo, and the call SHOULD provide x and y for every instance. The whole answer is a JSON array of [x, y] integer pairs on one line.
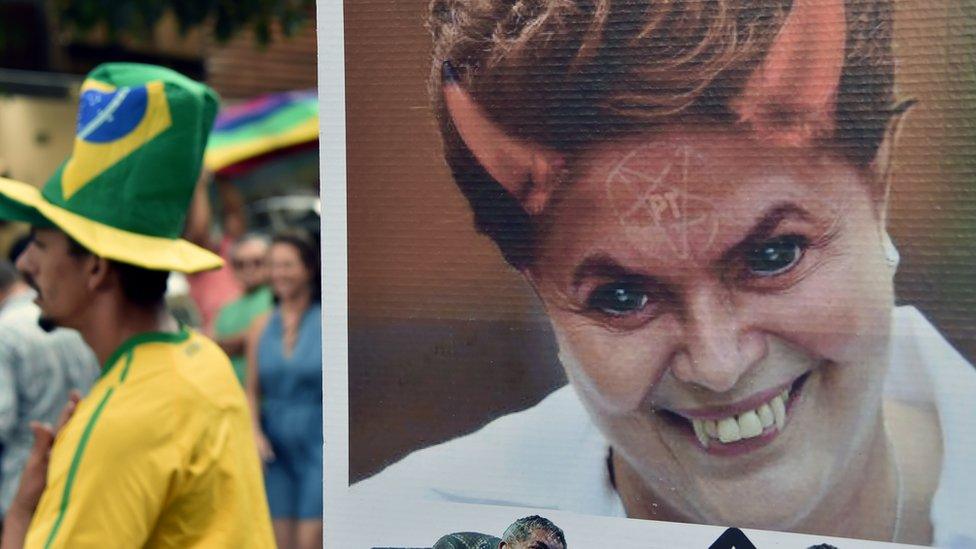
[[245, 263]]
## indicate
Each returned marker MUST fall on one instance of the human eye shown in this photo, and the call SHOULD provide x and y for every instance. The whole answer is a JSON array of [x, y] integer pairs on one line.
[[774, 256], [618, 298]]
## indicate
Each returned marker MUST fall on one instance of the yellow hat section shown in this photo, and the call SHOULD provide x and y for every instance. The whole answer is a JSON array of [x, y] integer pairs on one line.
[[149, 252]]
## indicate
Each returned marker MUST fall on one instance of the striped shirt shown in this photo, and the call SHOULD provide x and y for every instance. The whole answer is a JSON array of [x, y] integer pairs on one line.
[[37, 372]]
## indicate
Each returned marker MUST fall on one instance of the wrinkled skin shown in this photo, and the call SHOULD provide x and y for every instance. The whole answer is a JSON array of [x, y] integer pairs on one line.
[[697, 268]]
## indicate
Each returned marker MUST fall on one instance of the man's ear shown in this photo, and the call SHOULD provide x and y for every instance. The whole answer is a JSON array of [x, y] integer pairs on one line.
[[98, 270], [526, 170], [883, 161]]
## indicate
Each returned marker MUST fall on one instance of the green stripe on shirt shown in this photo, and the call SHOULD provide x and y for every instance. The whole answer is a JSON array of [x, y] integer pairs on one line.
[[82, 444], [75, 461]]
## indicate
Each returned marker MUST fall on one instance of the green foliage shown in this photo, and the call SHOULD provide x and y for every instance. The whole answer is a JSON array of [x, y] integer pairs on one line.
[[136, 18]]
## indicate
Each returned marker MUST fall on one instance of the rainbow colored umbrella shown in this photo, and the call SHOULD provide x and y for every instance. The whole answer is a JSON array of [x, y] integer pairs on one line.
[[263, 126]]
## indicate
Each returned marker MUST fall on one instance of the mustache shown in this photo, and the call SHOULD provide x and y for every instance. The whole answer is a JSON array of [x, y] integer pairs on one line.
[[45, 323], [29, 280]]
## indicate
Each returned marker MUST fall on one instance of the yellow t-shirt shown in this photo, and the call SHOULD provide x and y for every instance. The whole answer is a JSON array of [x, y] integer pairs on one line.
[[159, 454]]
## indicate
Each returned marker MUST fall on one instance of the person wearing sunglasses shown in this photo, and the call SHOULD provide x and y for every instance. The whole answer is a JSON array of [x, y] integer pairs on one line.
[[249, 259]]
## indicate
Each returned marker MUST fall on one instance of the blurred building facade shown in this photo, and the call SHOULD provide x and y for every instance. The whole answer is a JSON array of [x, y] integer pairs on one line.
[[41, 68]]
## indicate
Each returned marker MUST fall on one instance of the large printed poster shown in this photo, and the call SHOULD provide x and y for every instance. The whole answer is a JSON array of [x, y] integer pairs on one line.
[[686, 262]]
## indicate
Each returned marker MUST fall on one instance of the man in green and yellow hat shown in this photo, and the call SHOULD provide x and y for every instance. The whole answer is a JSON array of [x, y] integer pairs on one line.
[[160, 453]]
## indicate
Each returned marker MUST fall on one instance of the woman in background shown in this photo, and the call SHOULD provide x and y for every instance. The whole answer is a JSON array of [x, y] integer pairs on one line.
[[285, 389]]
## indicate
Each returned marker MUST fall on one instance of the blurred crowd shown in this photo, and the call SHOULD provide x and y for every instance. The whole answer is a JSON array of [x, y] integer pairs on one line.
[[262, 308]]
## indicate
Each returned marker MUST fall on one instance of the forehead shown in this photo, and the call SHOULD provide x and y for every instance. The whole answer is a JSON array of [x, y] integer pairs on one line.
[[251, 247], [541, 535], [680, 193], [51, 237], [714, 165], [284, 250]]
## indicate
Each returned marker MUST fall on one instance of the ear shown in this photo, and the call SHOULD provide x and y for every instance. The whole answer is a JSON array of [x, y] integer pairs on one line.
[[526, 170], [97, 269], [883, 161], [791, 97]]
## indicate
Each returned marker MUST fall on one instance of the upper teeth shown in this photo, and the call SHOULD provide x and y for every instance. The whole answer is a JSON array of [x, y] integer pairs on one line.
[[745, 425]]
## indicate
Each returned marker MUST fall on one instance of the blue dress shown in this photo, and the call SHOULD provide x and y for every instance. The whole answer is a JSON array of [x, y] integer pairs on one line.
[[291, 416]]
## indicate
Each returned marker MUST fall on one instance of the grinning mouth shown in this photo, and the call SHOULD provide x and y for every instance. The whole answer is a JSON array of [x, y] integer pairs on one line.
[[742, 427]]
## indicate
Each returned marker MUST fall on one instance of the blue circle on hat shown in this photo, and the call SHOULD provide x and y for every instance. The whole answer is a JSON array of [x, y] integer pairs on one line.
[[104, 117]]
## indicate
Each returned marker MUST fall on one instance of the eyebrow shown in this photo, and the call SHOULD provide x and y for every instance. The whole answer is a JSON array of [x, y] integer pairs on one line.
[[765, 224], [599, 265], [602, 265]]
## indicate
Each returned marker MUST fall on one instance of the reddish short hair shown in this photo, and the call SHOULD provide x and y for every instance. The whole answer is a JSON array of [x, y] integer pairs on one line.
[[570, 73]]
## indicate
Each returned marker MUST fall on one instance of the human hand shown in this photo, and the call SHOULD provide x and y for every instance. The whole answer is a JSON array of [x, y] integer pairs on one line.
[[265, 451], [33, 480]]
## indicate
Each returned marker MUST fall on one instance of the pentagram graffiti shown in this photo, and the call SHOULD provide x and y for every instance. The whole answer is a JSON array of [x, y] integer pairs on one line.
[[662, 199]]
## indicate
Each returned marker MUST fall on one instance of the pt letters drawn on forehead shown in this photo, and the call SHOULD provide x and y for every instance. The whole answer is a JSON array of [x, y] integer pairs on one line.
[[660, 199]]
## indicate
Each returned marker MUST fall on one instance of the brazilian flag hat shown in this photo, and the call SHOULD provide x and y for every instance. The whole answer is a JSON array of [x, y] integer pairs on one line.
[[124, 191]]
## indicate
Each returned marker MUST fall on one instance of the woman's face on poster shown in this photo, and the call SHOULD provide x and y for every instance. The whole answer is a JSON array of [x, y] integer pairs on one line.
[[722, 308]]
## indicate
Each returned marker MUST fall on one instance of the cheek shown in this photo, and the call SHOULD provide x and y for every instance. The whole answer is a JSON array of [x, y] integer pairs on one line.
[[55, 280], [50, 292], [846, 310], [612, 371]]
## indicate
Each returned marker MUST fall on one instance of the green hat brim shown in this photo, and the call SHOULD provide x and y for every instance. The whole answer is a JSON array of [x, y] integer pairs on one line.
[[23, 202]]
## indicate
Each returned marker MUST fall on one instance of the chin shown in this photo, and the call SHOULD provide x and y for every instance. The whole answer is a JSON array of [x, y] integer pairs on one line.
[[779, 497], [779, 494], [771, 482], [282, 290]]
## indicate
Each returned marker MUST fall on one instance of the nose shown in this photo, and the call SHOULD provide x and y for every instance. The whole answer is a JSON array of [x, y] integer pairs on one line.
[[23, 263], [719, 346]]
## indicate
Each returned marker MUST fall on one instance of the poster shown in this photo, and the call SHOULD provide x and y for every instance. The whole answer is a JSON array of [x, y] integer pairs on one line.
[[649, 269]]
